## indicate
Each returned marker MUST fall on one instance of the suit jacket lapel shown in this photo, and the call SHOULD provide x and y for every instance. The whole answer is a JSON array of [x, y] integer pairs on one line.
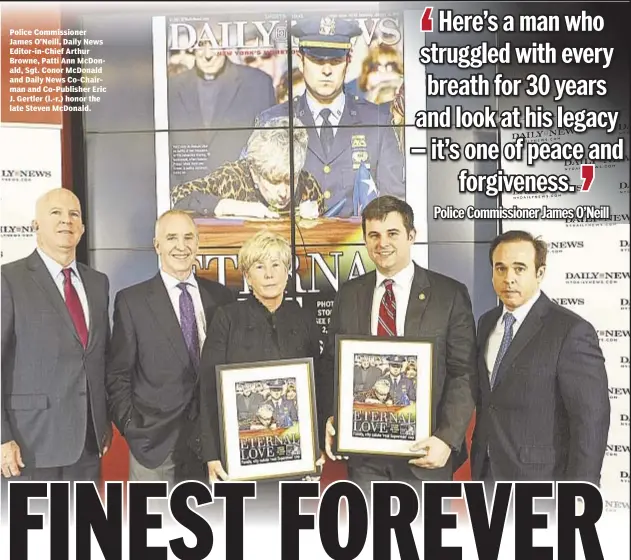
[[364, 301], [161, 306], [484, 333], [420, 295], [303, 112], [530, 327], [93, 299], [343, 133], [44, 280]]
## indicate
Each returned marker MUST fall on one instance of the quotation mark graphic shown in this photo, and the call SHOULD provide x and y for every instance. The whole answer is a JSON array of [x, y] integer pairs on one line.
[[427, 23], [588, 171]]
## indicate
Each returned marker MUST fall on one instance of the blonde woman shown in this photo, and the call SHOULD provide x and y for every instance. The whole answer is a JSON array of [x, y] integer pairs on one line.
[[263, 327]]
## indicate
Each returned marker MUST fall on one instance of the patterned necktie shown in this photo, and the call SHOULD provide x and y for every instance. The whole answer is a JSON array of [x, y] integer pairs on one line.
[[387, 325], [326, 131], [509, 321], [188, 322], [73, 303]]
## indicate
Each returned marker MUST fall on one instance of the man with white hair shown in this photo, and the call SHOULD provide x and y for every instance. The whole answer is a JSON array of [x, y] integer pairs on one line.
[[152, 371], [55, 333], [258, 185]]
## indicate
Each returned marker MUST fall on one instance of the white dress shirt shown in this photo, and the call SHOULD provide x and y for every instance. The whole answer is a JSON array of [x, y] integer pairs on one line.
[[402, 284], [55, 270], [174, 292], [337, 108], [495, 338]]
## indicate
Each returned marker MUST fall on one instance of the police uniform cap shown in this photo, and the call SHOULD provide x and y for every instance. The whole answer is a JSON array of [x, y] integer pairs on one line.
[[395, 360], [276, 384], [325, 37]]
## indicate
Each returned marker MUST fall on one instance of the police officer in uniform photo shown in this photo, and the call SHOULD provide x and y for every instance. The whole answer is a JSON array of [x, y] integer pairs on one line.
[[351, 141]]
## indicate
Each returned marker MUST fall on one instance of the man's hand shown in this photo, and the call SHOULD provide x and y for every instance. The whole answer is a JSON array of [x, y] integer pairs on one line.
[[240, 208], [107, 441], [319, 463], [11, 459], [435, 453], [308, 210], [329, 440], [216, 472]]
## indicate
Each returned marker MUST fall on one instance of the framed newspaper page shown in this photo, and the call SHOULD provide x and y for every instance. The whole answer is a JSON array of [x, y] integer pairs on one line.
[[268, 420], [383, 392]]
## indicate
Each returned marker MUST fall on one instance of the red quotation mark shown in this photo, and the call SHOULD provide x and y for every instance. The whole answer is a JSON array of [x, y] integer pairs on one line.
[[588, 171], [427, 23]]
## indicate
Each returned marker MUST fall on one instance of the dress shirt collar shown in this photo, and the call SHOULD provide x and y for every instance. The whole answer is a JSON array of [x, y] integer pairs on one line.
[[522, 311], [402, 278], [337, 107], [171, 282], [55, 268]]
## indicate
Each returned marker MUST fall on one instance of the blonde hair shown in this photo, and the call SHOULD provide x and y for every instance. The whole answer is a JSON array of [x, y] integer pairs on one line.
[[268, 150], [168, 213], [261, 246]]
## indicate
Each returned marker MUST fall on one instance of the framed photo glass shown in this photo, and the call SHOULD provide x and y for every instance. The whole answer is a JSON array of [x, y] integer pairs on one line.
[[268, 423], [383, 390]]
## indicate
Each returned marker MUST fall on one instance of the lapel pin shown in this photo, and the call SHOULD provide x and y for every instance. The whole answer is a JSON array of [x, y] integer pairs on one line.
[[421, 296]]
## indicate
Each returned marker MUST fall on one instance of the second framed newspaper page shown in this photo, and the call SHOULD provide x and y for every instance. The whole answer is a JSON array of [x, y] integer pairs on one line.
[[268, 424], [383, 389]]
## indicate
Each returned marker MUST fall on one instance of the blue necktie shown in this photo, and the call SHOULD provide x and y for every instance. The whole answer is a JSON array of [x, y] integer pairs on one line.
[[188, 322], [509, 321]]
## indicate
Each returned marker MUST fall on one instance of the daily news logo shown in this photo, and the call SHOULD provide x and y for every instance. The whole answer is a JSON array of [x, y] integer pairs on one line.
[[624, 304], [612, 335], [613, 219], [624, 245], [569, 302], [555, 247], [16, 231], [544, 135], [24, 175], [614, 450], [599, 278], [617, 393], [624, 362], [572, 164], [623, 420], [624, 187], [624, 477], [616, 506]]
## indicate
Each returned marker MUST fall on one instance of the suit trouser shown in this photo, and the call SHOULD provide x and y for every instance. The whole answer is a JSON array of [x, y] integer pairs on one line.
[[86, 469], [364, 471]]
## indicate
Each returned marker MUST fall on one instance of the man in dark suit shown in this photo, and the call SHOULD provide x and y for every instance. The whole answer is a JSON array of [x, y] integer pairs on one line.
[[248, 402], [420, 303], [152, 372], [55, 332], [543, 404], [215, 104], [402, 390], [365, 375], [343, 128]]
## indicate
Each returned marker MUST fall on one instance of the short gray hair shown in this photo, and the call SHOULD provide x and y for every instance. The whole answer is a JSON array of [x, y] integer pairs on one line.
[[261, 246], [268, 149]]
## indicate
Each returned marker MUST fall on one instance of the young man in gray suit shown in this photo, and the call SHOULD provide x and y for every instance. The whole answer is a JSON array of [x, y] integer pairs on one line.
[[152, 373], [426, 304], [55, 332], [543, 408]]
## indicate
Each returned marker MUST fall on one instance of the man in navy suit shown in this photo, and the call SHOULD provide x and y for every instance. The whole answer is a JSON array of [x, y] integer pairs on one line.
[[543, 403], [343, 131], [402, 390]]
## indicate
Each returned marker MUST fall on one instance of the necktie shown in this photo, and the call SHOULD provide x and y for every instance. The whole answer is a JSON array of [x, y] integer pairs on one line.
[[73, 303], [188, 322], [326, 131], [509, 321], [387, 325]]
